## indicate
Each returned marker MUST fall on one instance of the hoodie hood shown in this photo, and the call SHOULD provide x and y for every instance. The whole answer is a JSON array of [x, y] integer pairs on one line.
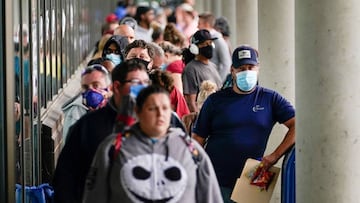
[[75, 101], [120, 41]]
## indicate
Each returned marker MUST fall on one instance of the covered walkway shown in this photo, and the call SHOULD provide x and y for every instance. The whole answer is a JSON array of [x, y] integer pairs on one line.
[[308, 53]]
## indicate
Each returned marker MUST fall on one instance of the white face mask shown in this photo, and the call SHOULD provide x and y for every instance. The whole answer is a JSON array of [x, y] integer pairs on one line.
[[246, 80]]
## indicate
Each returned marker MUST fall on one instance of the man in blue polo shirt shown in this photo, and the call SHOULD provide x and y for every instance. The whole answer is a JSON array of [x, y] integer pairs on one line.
[[235, 123]]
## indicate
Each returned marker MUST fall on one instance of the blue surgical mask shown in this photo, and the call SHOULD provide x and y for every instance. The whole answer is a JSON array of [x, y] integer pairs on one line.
[[163, 66], [135, 89], [115, 58], [246, 80], [93, 99]]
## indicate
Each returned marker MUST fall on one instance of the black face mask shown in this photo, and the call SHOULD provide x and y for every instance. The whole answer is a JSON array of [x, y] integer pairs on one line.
[[139, 60], [207, 51]]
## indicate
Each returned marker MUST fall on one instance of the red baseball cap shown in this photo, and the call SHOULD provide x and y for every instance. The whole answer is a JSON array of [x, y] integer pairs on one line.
[[111, 18]]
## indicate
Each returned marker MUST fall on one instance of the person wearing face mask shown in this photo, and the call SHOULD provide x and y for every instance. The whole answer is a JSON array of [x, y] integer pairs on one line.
[[87, 133], [238, 120], [113, 49], [95, 83], [125, 31], [84, 137], [200, 68], [221, 55], [145, 52], [141, 50], [154, 162]]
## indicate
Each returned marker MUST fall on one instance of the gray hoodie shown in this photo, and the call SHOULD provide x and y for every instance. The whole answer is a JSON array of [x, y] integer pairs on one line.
[[221, 56], [167, 170], [73, 110]]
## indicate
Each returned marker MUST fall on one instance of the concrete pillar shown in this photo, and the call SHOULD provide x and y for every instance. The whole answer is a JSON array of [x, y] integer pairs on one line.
[[216, 7], [207, 5], [277, 60], [277, 46], [200, 5], [327, 101], [229, 11], [247, 22]]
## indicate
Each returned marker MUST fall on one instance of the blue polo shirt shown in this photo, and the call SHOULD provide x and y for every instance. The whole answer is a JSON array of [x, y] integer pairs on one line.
[[237, 127]]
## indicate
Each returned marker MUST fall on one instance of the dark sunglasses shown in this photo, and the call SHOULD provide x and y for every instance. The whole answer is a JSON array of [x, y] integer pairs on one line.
[[94, 67], [130, 23]]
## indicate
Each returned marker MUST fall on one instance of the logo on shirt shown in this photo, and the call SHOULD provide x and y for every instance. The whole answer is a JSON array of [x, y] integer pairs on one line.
[[257, 108]]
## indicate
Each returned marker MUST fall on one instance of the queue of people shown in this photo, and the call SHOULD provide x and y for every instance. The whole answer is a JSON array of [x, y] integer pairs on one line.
[[153, 134]]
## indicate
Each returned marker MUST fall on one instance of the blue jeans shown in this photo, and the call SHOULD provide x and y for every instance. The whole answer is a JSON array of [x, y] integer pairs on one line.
[[226, 194]]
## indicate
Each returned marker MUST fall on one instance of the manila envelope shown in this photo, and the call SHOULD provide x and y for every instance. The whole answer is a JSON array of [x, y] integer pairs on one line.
[[245, 193]]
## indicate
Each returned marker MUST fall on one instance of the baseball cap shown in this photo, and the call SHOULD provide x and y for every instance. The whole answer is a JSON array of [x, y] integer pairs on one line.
[[130, 21], [186, 7], [111, 18], [244, 55], [201, 36]]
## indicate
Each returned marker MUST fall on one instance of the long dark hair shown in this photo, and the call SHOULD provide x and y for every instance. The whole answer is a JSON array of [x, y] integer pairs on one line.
[[187, 56]]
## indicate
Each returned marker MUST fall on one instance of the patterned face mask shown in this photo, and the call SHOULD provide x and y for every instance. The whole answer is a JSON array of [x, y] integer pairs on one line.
[[94, 99]]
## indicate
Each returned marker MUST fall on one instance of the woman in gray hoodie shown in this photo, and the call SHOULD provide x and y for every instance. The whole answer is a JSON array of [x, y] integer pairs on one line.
[[151, 162]]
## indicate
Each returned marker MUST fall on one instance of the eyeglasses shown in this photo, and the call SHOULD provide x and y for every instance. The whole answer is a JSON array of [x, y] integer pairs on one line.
[[138, 82], [97, 67]]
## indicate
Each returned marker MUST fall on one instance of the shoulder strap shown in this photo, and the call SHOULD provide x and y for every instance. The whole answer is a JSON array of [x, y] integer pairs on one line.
[[117, 145], [189, 143], [122, 124]]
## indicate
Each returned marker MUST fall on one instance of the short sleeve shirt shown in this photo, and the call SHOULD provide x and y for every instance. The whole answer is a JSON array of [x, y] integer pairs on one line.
[[238, 127], [195, 73]]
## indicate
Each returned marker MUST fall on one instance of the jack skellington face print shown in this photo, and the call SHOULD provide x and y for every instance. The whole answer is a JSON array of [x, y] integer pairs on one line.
[[153, 178]]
